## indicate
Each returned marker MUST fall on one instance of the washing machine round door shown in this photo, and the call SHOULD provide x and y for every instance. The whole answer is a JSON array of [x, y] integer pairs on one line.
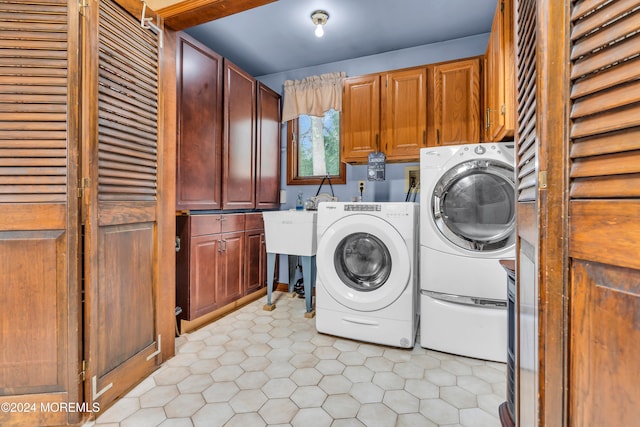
[[474, 205], [363, 262]]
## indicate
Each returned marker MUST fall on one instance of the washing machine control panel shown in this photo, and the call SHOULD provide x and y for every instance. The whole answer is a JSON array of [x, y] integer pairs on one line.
[[362, 207]]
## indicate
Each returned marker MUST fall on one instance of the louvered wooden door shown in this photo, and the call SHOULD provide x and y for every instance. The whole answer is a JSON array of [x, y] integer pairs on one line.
[[528, 208], [39, 238], [120, 136], [604, 224]]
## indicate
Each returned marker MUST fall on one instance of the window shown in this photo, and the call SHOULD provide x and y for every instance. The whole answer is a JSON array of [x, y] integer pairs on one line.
[[314, 149]]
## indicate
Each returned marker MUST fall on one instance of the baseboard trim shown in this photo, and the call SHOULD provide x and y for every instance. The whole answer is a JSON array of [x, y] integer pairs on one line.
[[187, 326]]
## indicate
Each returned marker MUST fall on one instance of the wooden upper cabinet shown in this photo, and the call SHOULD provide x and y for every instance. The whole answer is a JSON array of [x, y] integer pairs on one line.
[[385, 112], [404, 113], [360, 118], [239, 140], [499, 109], [456, 103], [268, 149], [199, 104]]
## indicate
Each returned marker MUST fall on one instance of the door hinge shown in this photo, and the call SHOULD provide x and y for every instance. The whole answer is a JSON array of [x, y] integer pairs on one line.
[[82, 5], [502, 6], [177, 243], [503, 109], [542, 179], [82, 376], [84, 183]]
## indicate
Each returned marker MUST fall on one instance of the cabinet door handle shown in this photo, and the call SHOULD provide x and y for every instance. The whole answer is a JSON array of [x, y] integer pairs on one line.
[[424, 138], [487, 124], [377, 142], [225, 245], [220, 249], [437, 136]]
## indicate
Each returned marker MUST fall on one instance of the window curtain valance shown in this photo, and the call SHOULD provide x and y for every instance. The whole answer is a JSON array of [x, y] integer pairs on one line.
[[312, 96]]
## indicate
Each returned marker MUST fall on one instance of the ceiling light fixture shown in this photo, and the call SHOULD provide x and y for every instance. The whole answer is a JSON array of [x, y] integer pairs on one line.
[[319, 18]]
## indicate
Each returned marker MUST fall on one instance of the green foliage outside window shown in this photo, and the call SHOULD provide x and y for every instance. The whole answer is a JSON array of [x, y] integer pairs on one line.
[[331, 134]]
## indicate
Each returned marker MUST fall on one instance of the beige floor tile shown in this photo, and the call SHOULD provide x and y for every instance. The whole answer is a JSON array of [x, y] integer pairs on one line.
[[377, 415], [184, 406], [316, 417], [258, 368], [278, 411]]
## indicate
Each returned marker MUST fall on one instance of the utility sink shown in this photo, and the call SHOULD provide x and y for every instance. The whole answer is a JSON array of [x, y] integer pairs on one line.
[[291, 232]]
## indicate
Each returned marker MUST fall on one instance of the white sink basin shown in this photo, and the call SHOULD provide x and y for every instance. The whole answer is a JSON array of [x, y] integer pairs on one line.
[[291, 232]]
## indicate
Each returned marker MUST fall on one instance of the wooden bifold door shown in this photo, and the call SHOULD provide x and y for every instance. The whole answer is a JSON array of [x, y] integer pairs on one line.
[[120, 201], [80, 282]]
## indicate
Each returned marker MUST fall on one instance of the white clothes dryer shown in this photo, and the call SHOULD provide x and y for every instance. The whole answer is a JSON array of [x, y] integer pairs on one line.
[[366, 285], [467, 224]]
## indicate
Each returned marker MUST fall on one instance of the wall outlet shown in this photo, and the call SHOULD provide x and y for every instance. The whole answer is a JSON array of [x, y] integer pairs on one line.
[[283, 196], [361, 186], [411, 173]]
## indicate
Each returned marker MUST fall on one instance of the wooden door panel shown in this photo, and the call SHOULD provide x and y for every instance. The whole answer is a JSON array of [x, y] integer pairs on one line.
[[253, 261], [125, 292], [268, 151], [457, 102], [239, 142], [405, 114], [605, 343], [33, 336], [199, 149], [360, 118], [204, 271], [40, 288], [231, 267]]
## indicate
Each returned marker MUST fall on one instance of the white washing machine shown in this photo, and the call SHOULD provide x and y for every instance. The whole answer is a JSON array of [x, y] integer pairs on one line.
[[366, 285], [467, 224]]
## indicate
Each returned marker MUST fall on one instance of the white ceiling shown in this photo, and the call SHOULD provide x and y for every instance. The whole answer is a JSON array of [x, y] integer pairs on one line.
[[280, 36]]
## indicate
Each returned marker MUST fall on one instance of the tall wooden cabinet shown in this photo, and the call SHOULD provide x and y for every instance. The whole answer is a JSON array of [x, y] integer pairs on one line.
[[499, 108], [385, 112], [199, 98], [228, 154], [268, 129], [456, 102], [239, 139]]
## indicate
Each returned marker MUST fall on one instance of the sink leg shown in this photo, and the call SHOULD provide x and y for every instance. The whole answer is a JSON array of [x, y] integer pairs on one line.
[[309, 278], [271, 265]]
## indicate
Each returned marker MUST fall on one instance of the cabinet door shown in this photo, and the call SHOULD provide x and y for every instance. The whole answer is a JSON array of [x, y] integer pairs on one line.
[[456, 103], [203, 272], [255, 257], [268, 149], [360, 118], [239, 142], [230, 284], [199, 104], [500, 101], [404, 114]]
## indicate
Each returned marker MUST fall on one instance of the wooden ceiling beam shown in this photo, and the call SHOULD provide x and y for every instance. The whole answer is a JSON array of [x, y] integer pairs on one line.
[[189, 13]]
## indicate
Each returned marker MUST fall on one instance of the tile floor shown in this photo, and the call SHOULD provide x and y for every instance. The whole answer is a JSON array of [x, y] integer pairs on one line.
[[257, 368]]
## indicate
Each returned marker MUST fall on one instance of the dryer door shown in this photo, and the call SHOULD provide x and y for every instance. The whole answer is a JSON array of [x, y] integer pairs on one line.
[[363, 262], [474, 205]]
